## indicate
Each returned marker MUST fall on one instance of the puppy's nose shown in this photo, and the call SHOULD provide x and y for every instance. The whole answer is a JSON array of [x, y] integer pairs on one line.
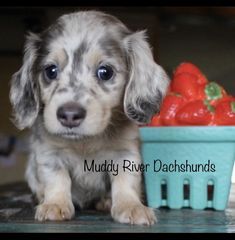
[[71, 114]]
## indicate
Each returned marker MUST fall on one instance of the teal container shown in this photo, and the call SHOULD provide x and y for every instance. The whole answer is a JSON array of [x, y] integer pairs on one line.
[[188, 166]]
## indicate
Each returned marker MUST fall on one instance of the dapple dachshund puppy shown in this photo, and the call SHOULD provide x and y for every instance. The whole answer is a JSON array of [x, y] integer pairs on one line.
[[85, 85]]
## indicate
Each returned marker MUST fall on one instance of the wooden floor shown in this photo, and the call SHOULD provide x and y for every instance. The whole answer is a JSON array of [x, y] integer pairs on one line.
[[17, 211]]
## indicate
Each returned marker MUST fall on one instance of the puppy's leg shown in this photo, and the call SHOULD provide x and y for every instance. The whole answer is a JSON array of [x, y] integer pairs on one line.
[[126, 200], [57, 202], [104, 204]]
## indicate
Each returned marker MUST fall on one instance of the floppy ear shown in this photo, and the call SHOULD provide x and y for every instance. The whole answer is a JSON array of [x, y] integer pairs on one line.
[[24, 95], [148, 81]]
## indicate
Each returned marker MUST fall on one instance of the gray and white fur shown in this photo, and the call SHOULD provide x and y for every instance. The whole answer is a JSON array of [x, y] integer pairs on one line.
[[78, 116]]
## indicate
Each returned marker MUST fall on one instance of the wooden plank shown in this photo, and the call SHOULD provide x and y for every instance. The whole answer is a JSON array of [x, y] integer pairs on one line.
[[17, 215]]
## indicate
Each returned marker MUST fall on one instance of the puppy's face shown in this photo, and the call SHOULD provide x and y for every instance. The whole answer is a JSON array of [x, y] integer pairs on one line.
[[82, 68], [82, 77]]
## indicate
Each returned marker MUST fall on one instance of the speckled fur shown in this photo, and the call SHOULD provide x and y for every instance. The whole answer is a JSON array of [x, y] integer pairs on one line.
[[78, 43]]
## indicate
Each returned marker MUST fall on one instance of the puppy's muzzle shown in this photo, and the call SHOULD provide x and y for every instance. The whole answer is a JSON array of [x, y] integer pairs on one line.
[[71, 114]]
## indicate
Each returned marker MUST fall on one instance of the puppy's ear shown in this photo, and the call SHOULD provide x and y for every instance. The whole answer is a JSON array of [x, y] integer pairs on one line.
[[148, 81], [24, 95]]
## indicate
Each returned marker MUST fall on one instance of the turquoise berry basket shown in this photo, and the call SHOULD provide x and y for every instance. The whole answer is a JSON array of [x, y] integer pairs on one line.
[[188, 166]]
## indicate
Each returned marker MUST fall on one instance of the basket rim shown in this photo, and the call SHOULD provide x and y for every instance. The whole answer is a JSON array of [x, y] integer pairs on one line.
[[188, 133]]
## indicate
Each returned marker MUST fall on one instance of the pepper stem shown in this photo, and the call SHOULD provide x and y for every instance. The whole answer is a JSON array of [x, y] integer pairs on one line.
[[233, 107], [209, 107], [213, 91]]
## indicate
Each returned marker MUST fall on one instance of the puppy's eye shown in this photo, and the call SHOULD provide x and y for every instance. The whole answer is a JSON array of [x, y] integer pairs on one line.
[[51, 72], [104, 73]]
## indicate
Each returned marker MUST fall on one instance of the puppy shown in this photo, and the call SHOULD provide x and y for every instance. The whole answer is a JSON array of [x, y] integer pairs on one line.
[[85, 84]]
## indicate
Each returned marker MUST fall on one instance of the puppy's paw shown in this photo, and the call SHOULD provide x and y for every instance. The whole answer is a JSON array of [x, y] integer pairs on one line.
[[104, 205], [133, 214], [54, 212]]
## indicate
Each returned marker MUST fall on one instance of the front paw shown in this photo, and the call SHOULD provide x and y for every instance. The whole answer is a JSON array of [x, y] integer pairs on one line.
[[54, 212], [133, 214]]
